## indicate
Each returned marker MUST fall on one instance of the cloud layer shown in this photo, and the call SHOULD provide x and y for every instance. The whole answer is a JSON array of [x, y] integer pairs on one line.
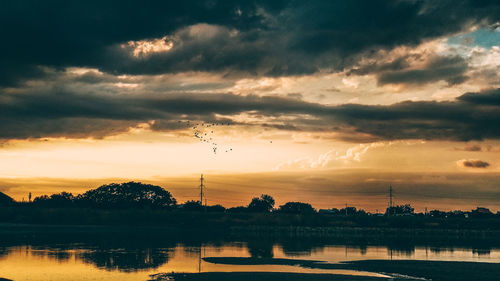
[[270, 38], [37, 114], [101, 43]]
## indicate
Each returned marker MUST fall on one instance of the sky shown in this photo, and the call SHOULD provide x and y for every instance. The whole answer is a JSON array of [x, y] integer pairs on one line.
[[325, 102]]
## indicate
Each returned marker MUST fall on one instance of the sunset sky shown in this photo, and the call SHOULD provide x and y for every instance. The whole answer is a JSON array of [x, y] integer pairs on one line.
[[325, 102]]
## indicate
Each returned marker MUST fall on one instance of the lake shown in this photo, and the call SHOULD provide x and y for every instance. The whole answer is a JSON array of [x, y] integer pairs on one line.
[[84, 257]]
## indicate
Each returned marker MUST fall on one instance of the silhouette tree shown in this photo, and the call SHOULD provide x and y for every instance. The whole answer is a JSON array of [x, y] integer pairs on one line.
[[192, 206], [481, 212], [216, 208], [263, 204], [400, 210], [63, 199], [195, 206], [438, 214], [296, 208], [128, 195]]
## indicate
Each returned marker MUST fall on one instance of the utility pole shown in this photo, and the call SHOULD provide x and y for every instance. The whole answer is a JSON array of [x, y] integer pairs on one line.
[[390, 196], [201, 190], [391, 210]]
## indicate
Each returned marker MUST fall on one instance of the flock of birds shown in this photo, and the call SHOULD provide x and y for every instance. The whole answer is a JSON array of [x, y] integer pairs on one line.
[[205, 133]]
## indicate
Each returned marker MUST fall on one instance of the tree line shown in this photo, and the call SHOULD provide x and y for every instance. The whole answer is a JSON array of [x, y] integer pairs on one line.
[[138, 195]]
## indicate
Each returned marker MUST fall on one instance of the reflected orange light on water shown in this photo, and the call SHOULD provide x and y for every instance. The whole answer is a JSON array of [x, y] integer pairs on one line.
[[23, 263]]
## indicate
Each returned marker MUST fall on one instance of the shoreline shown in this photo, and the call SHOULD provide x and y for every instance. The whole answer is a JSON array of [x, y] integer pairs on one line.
[[363, 235], [361, 232]]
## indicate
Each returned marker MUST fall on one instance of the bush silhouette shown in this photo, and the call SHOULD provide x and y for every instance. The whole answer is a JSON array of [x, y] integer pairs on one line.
[[296, 208], [192, 206], [63, 199]]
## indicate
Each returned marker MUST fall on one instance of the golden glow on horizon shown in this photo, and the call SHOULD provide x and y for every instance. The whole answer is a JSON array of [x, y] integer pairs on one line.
[[307, 167]]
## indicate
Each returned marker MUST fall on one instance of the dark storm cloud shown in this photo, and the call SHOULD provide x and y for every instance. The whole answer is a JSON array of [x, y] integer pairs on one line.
[[452, 120], [491, 97], [80, 33], [273, 37], [68, 114], [471, 163], [451, 69]]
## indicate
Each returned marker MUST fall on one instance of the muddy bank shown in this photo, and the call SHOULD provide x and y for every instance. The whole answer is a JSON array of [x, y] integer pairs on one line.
[[261, 276], [407, 269]]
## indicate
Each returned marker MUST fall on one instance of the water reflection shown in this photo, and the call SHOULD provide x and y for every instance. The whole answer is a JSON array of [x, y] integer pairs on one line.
[[126, 259], [482, 252], [401, 250], [300, 247], [136, 257], [58, 254], [260, 249], [3, 252]]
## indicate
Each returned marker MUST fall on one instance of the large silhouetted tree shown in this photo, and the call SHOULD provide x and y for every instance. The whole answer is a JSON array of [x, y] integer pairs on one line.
[[128, 195], [262, 204]]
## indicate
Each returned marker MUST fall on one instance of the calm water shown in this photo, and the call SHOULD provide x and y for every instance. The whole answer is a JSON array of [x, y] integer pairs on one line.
[[128, 260]]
